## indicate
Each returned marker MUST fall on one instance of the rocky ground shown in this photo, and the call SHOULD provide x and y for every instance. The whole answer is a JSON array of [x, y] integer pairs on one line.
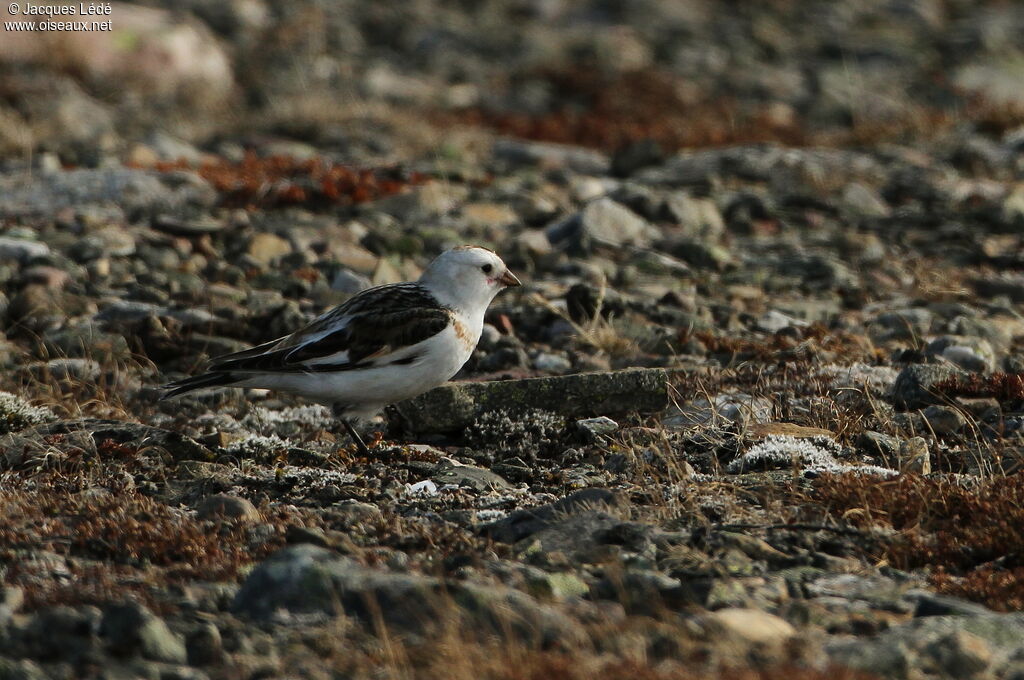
[[756, 412]]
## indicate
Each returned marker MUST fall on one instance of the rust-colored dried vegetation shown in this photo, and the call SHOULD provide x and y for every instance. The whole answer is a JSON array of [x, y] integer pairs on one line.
[[970, 536]]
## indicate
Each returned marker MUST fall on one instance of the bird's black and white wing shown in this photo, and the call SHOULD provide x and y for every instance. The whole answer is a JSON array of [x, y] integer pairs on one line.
[[378, 327]]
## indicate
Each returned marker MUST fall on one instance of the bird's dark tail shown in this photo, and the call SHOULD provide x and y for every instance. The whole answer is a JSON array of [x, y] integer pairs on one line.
[[198, 382]]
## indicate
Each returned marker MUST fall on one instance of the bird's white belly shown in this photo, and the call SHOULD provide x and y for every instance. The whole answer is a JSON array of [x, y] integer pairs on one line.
[[437, 359]]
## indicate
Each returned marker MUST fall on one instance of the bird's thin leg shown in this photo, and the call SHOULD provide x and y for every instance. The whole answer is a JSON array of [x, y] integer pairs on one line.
[[339, 413], [356, 438]]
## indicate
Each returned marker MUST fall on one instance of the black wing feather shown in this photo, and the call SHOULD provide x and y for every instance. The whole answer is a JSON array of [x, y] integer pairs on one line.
[[382, 319]]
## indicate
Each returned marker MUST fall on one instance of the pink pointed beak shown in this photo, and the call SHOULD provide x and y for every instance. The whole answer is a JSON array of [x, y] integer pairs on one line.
[[509, 279]]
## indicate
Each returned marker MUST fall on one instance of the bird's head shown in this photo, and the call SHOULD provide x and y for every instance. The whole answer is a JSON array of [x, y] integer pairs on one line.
[[468, 277]]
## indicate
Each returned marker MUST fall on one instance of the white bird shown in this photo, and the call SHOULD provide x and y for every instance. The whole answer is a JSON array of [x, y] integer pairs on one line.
[[383, 345]]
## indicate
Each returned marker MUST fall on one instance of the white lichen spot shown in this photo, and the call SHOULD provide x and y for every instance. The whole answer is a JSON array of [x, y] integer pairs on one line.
[[257, 447], [17, 414], [817, 454], [485, 516], [516, 432], [424, 488]]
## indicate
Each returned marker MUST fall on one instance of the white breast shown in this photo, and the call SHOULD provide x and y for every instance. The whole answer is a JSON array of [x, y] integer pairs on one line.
[[438, 358]]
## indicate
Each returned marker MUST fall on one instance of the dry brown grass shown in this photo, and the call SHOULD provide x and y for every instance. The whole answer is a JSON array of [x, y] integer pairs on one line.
[[119, 541], [281, 181], [597, 332], [971, 536], [629, 648], [806, 344], [609, 110]]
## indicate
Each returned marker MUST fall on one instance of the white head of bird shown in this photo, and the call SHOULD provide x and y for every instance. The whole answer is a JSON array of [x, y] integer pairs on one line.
[[467, 277]]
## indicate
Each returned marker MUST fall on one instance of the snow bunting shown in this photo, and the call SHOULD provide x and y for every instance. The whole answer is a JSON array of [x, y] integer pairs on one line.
[[384, 345]]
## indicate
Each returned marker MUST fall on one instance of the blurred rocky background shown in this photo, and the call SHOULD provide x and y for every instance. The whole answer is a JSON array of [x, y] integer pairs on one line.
[[756, 412], [356, 79]]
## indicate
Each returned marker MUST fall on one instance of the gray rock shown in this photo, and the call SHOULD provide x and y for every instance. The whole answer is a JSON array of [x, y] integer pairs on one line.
[[39, 308], [994, 78], [308, 579], [85, 340], [11, 599], [583, 537], [73, 370], [862, 201], [944, 420], [743, 409], [701, 254], [114, 241], [61, 633], [578, 159], [204, 645], [138, 192], [774, 321], [552, 363], [355, 511], [47, 276], [927, 603], [935, 642], [170, 148], [121, 313], [21, 250], [885, 658], [348, 281], [642, 592], [458, 405], [67, 121], [610, 223], [227, 506], [604, 222], [21, 669], [189, 227], [960, 654], [636, 155], [510, 613], [906, 324], [697, 218], [478, 479], [819, 271], [876, 443], [304, 580], [265, 248], [595, 427], [748, 632], [914, 456], [998, 285], [967, 352], [131, 628], [913, 388], [524, 523], [878, 591], [1013, 209]]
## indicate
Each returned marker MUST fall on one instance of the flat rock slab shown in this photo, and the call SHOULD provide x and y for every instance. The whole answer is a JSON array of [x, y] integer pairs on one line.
[[457, 405]]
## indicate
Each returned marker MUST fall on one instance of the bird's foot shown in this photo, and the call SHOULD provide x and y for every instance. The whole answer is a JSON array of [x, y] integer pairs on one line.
[[360, 444]]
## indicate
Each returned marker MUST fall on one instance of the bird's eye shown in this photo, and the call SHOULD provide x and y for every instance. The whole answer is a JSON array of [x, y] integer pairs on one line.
[[487, 268]]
